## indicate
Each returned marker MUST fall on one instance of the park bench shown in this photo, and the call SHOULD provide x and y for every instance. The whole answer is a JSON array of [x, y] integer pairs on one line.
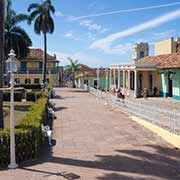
[[47, 133], [51, 113], [52, 93], [52, 104]]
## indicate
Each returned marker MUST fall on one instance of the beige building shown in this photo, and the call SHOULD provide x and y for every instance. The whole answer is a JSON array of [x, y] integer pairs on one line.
[[31, 69], [167, 46]]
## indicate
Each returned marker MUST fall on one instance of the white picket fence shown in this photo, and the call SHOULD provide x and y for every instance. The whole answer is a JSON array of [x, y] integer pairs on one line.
[[164, 118]]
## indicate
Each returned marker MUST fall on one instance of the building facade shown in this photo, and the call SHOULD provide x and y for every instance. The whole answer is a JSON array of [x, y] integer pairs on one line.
[[87, 78], [31, 69], [158, 75]]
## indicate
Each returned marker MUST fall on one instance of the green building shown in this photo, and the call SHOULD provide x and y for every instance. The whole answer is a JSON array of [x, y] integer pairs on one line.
[[88, 78], [170, 83], [168, 68]]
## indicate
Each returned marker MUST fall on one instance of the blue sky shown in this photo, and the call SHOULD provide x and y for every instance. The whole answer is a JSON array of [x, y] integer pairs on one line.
[[106, 37]]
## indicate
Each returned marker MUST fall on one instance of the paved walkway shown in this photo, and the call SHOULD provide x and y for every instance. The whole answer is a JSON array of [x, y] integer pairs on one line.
[[97, 142]]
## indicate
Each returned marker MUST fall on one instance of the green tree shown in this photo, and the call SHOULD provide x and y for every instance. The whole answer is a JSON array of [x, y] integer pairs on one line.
[[72, 68], [16, 37], [43, 23], [1, 60]]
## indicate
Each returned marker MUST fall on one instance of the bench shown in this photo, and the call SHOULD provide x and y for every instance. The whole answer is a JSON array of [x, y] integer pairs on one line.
[[47, 133], [51, 104], [51, 113]]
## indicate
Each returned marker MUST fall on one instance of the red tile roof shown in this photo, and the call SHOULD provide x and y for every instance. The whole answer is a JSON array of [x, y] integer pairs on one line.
[[37, 54], [90, 72], [164, 61]]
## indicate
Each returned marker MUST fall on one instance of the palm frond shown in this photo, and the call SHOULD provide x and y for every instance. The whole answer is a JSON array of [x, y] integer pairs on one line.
[[33, 6]]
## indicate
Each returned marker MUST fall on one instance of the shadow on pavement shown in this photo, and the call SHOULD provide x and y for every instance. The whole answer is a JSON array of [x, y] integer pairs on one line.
[[163, 163]]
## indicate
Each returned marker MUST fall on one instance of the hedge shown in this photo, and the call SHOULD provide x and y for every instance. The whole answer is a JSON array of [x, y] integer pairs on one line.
[[17, 96], [33, 96], [29, 86], [27, 134]]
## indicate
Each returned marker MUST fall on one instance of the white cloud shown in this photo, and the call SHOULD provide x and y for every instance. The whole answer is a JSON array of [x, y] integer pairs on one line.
[[69, 35], [126, 11], [58, 13], [164, 34], [82, 57], [105, 44], [92, 26]]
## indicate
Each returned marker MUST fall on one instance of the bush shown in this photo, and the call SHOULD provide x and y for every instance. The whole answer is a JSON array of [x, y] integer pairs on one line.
[[27, 134], [30, 86], [17, 96], [33, 96]]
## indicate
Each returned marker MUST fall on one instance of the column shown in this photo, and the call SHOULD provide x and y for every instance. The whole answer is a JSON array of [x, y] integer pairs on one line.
[[110, 78], [118, 77], [124, 81], [114, 77], [135, 83], [129, 81]]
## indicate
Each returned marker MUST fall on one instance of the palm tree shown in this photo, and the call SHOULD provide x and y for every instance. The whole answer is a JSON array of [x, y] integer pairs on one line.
[[72, 68], [43, 23], [15, 37], [1, 60]]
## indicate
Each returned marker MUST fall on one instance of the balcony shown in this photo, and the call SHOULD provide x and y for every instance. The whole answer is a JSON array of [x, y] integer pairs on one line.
[[37, 71]]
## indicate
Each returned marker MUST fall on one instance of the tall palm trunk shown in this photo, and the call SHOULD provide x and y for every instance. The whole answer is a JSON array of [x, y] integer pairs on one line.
[[1, 60], [74, 80], [45, 59]]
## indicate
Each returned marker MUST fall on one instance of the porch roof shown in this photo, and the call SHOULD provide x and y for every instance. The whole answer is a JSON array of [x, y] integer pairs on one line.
[[162, 61]]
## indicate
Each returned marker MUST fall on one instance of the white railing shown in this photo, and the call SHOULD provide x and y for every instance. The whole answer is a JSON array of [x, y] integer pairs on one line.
[[165, 118]]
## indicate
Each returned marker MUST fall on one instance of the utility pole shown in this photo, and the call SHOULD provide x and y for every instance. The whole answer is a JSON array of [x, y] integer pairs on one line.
[[1, 60]]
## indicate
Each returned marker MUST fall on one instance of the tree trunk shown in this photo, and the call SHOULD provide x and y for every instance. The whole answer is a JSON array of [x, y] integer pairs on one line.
[[1, 60], [45, 59], [74, 80]]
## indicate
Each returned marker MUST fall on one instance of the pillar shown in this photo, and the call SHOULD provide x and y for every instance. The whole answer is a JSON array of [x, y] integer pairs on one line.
[[135, 83], [110, 78], [118, 77], [129, 81], [114, 77], [124, 81]]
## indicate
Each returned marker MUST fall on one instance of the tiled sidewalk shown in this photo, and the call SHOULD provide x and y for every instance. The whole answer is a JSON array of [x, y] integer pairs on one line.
[[94, 141]]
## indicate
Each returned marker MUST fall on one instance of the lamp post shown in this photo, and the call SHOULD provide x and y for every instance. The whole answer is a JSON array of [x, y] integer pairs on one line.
[[11, 65], [106, 74], [97, 73], [49, 72]]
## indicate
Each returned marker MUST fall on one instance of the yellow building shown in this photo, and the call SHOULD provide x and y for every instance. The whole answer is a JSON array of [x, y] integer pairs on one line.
[[31, 69], [157, 75], [135, 77], [167, 46]]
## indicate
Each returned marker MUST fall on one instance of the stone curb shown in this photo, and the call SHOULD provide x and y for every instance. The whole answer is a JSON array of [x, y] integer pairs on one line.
[[171, 138]]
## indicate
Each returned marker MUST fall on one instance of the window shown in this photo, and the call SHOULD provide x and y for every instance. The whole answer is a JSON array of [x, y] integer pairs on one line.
[[27, 81], [17, 80], [141, 54], [36, 81], [40, 65], [86, 82], [95, 84], [23, 66]]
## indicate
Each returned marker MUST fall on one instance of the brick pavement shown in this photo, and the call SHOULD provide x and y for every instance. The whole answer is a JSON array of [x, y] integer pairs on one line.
[[94, 141]]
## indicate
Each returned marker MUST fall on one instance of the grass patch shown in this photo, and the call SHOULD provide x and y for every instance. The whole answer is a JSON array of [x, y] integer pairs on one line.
[[20, 111]]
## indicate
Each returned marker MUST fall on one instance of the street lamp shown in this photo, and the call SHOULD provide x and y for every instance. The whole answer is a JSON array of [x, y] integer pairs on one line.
[[106, 74], [97, 73], [49, 72], [12, 67]]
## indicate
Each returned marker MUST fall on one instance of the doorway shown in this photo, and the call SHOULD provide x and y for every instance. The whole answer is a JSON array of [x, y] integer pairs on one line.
[[170, 85]]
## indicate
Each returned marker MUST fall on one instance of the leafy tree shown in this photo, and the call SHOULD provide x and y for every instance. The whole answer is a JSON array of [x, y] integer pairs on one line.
[[72, 68], [16, 37], [43, 23]]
